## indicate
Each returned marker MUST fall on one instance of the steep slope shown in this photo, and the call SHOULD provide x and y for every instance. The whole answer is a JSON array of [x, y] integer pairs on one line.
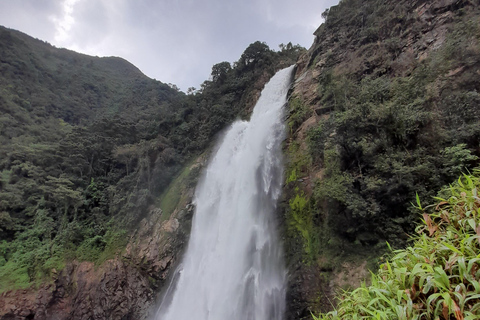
[[385, 104], [97, 168], [80, 140]]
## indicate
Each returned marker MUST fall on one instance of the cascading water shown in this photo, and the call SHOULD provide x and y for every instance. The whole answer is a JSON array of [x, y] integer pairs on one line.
[[233, 267]]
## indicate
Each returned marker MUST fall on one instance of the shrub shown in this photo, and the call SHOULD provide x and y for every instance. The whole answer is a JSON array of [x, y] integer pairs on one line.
[[435, 278]]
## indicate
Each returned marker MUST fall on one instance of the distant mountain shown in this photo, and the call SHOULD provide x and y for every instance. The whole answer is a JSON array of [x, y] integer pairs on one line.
[[41, 81]]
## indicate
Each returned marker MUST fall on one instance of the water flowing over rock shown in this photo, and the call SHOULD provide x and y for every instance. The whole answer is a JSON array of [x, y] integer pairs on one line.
[[233, 266]]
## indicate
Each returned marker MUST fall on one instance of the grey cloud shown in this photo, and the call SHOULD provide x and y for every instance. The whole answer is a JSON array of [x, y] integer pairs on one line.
[[92, 23], [174, 41], [31, 17]]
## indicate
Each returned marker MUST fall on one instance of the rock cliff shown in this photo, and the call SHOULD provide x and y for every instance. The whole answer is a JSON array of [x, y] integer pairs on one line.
[[383, 104]]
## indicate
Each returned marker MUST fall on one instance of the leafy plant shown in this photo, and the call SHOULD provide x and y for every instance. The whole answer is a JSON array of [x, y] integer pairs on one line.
[[435, 278], [301, 220]]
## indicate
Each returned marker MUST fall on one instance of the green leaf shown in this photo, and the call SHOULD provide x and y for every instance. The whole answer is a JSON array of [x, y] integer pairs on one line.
[[418, 201], [441, 278], [472, 223], [451, 247]]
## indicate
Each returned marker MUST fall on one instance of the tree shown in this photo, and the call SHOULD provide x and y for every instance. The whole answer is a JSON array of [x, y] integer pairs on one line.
[[191, 90], [254, 53], [220, 71], [174, 86]]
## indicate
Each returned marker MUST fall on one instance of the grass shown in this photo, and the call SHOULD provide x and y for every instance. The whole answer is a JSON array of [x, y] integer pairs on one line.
[[435, 278]]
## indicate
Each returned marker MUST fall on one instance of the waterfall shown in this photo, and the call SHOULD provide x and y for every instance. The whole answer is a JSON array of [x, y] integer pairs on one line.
[[233, 267]]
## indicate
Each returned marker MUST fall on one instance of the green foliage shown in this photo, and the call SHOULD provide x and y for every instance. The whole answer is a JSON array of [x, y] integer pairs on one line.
[[220, 71], [383, 139], [335, 184], [256, 53], [299, 112], [174, 194], [299, 162], [88, 144], [115, 241], [397, 113], [300, 214], [435, 278], [300, 218], [90, 249], [292, 176], [456, 158]]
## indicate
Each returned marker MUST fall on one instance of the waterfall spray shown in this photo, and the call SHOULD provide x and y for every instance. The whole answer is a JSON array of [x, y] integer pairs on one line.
[[233, 267]]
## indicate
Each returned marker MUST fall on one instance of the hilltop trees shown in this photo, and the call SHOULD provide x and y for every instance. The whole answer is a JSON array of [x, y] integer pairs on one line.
[[255, 53], [220, 71]]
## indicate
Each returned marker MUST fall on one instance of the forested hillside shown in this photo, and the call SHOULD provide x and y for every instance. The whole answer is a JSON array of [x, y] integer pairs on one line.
[[385, 105], [87, 144]]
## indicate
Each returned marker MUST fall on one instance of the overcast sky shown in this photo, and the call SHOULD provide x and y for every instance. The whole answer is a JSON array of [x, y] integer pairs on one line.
[[174, 41]]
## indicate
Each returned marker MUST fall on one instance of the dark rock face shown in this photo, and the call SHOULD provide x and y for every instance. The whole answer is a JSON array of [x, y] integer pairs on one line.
[[347, 45], [304, 283], [116, 291], [121, 292]]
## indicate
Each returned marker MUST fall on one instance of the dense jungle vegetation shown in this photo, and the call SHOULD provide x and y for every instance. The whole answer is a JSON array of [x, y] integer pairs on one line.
[[385, 131], [437, 277], [395, 112], [87, 144]]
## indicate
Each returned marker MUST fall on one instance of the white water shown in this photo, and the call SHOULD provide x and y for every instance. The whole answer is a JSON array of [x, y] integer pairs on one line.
[[233, 267]]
